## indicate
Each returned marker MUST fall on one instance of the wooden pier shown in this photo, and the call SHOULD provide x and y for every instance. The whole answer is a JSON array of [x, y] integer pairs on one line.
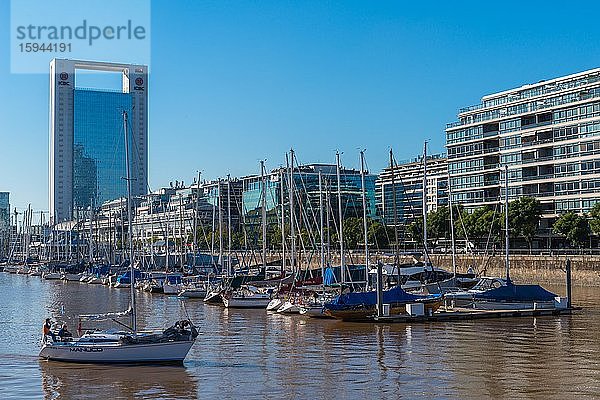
[[462, 314]]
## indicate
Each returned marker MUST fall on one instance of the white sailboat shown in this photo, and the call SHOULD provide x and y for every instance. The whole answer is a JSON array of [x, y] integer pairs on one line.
[[165, 346]]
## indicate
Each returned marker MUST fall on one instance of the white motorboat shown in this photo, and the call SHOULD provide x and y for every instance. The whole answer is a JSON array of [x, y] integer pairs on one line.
[[289, 308], [314, 311], [274, 304], [246, 297], [193, 292], [52, 275], [71, 277], [95, 280]]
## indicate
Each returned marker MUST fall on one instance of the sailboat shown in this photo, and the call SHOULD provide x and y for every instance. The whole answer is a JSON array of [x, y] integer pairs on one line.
[[164, 346]]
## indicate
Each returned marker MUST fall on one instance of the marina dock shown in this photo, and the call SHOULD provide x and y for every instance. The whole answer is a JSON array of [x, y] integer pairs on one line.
[[462, 314]]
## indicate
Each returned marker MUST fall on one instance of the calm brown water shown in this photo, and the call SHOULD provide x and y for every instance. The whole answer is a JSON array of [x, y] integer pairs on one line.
[[252, 354]]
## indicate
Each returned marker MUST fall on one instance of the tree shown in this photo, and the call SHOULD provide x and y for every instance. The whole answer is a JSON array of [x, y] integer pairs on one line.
[[595, 219], [574, 227], [524, 216], [480, 223]]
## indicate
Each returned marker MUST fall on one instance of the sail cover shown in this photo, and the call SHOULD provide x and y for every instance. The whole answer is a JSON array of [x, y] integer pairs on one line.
[[511, 292], [395, 295], [329, 277], [104, 317]]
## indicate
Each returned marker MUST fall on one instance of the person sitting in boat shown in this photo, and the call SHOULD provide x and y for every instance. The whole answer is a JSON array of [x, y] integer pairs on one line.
[[46, 329], [64, 333]]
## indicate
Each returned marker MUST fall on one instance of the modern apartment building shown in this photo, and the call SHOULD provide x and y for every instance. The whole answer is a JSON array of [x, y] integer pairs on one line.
[[87, 144], [306, 198], [548, 133], [406, 180]]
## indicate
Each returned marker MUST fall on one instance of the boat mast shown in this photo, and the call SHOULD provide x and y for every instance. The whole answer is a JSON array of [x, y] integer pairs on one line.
[[182, 250], [395, 211], [167, 255], [219, 199], [292, 226], [506, 236], [427, 260], [452, 229], [341, 217], [321, 224], [229, 266], [281, 194], [264, 212], [91, 233], [131, 269], [196, 219], [364, 204]]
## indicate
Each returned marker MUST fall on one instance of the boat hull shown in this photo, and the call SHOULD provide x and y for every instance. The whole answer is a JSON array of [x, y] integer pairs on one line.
[[366, 313], [245, 302], [193, 294], [168, 352]]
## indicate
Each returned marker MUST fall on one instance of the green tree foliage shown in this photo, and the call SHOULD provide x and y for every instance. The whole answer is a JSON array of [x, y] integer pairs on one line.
[[574, 227], [595, 219], [479, 223], [524, 216]]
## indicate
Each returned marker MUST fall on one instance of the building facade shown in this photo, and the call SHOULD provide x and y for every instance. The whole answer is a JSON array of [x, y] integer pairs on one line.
[[547, 133], [4, 223], [306, 194], [87, 140], [406, 180]]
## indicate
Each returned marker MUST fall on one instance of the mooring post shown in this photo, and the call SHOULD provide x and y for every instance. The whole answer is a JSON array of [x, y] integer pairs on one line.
[[379, 289], [568, 270]]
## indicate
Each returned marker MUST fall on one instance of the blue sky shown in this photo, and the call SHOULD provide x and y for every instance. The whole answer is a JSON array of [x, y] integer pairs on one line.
[[235, 82]]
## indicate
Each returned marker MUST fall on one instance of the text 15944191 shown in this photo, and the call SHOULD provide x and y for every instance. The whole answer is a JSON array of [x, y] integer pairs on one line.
[[34, 47]]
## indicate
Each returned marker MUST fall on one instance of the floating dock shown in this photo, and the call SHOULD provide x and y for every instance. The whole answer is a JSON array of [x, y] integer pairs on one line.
[[462, 314]]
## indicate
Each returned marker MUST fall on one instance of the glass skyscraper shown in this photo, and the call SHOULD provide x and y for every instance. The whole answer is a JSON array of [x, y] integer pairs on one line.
[[87, 147], [99, 146]]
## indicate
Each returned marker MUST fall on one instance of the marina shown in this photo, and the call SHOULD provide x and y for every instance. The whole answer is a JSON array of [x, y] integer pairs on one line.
[[285, 356]]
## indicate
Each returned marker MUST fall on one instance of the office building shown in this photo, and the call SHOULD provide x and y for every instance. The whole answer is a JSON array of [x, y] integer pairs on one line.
[[406, 180], [87, 141], [547, 133]]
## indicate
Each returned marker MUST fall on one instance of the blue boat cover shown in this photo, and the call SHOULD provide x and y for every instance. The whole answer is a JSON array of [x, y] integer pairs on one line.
[[512, 292], [391, 296], [329, 277]]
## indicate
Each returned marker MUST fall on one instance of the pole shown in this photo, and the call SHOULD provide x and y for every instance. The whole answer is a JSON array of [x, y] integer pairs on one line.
[[281, 194], [341, 217], [321, 227], [568, 270], [452, 229], [196, 219], [292, 213], [129, 233], [220, 201], [229, 266], [427, 260], [263, 213], [364, 204], [379, 290], [395, 211], [506, 231]]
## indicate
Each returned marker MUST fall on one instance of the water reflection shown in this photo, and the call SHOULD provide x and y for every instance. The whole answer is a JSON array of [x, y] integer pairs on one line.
[[71, 381]]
